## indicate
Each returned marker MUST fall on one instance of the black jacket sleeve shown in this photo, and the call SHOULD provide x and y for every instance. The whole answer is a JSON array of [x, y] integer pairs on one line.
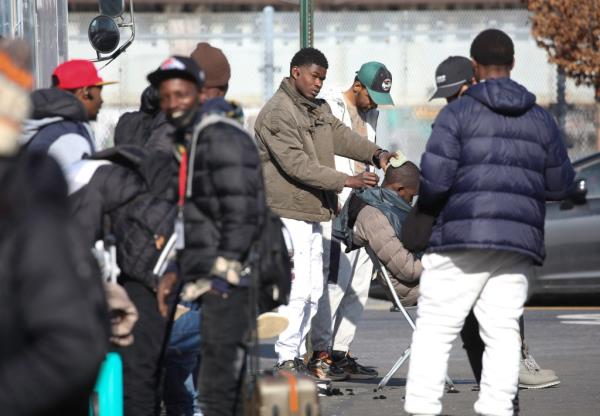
[[417, 229], [234, 171]]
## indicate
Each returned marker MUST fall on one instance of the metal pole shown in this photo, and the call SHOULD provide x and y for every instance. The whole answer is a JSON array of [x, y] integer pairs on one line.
[[269, 58], [306, 23], [50, 37], [561, 101]]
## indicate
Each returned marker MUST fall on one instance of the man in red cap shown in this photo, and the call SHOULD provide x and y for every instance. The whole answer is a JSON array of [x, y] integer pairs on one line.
[[59, 122]]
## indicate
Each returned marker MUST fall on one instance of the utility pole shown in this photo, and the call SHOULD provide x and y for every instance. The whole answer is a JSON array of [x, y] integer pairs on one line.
[[307, 8]]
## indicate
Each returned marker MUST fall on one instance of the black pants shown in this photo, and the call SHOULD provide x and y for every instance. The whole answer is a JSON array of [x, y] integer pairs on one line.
[[141, 359], [225, 323], [474, 346]]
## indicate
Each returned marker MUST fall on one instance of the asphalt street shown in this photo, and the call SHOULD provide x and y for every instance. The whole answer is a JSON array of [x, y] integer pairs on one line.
[[565, 339]]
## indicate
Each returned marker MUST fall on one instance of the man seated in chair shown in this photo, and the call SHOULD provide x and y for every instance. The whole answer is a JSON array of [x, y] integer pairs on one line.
[[374, 216]]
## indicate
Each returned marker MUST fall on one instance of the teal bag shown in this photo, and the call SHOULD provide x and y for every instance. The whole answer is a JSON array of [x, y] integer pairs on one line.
[[107, 397]]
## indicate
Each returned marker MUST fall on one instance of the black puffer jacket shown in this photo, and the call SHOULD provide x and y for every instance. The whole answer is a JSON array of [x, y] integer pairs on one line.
[[53, 315], [135, 198], [227, 201]]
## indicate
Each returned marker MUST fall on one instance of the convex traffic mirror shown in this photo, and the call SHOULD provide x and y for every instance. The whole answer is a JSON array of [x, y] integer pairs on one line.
[[103, 34]]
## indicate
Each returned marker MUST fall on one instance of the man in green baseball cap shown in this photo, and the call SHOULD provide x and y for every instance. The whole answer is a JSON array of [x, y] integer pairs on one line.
[[348, 274], [376, 78]]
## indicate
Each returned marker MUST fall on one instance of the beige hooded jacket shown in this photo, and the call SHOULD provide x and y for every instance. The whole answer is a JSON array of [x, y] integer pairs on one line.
[[372, 228]]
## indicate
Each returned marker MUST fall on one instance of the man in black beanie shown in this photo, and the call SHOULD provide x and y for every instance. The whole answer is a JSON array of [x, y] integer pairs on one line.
[[493, 159]]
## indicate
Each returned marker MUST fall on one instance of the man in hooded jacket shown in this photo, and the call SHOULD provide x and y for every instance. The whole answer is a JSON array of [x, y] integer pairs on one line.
[[59, 122], [493, 159]]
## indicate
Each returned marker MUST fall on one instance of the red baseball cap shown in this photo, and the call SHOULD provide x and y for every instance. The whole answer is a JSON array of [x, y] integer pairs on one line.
[[78, 73]]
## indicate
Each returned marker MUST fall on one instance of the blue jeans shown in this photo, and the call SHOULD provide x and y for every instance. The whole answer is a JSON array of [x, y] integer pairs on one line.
[[182, 361]]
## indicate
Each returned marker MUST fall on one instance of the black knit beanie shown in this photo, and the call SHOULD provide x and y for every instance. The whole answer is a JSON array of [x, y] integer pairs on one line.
[[493, 47]]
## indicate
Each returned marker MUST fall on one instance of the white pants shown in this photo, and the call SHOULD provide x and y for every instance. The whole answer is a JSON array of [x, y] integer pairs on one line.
[[494, 283], [344, 297], [307, 287]]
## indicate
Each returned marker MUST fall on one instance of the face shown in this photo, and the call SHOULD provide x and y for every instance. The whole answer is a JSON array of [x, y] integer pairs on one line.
[[91, 97], [462, 90], [308, 79], [178, 97], [208, 93], [406, 193], [364, 102]]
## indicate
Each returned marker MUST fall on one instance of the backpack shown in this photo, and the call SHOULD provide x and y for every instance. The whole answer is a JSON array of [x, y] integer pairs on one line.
[[388, 202], [272, 263], [269, 258], [49, 133], [343, 224]]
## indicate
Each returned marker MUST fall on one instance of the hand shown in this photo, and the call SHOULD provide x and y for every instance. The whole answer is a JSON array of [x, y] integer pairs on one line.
[[165, 286], [384, 159], [362, 180], [123, 314]]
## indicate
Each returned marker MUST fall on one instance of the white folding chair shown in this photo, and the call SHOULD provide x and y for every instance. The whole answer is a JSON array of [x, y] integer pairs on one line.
[[390, 287]]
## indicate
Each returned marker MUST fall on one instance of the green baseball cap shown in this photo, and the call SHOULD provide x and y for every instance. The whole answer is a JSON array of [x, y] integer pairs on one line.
[[378, 80]]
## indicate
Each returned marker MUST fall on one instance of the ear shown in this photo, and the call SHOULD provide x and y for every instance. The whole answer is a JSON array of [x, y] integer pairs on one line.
[[512, 65], [475, 69], [356, 87], [79, 93], [86, 94], [295, 72]]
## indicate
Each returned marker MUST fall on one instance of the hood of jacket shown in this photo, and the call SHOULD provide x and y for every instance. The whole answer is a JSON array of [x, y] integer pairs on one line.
[[503, 96], [221, 106], [49, 106], [54, 102]]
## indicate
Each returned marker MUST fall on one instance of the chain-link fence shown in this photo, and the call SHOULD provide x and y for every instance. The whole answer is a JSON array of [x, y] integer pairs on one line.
[[410, 43]]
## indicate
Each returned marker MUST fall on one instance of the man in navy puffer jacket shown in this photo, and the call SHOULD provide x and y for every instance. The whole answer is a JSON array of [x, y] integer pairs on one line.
[[493, 159]]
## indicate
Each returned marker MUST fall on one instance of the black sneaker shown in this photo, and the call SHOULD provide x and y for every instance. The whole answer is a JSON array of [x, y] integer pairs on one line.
[[354, 370], [301, 368], [297, 366], [322, 367], [287, 365]]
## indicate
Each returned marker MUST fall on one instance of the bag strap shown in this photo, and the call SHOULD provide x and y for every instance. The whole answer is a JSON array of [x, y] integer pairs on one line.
[[208, 120]]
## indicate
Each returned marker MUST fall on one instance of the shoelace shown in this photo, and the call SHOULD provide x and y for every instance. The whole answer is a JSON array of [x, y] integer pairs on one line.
[[352, 358], [531, 364]]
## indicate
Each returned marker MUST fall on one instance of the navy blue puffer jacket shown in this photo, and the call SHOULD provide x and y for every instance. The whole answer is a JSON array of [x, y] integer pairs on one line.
[[493, 159]]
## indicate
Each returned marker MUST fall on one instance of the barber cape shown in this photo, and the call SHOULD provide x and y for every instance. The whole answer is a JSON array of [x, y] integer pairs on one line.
[[388, 202]]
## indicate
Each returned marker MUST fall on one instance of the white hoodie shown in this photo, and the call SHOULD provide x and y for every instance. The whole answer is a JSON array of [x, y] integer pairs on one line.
[[339, 109]]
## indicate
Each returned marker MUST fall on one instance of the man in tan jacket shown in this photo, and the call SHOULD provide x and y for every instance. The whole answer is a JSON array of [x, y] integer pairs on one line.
[[297, 138]]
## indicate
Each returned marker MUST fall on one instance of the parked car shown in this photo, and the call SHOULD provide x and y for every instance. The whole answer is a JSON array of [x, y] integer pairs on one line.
[[572, 263]]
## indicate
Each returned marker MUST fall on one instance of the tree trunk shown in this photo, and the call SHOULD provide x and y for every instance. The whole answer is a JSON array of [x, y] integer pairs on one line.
[[597, 117]]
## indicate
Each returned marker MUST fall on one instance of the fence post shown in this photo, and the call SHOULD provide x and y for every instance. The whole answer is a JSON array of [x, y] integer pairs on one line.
[[306, 23], [268, 18]]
